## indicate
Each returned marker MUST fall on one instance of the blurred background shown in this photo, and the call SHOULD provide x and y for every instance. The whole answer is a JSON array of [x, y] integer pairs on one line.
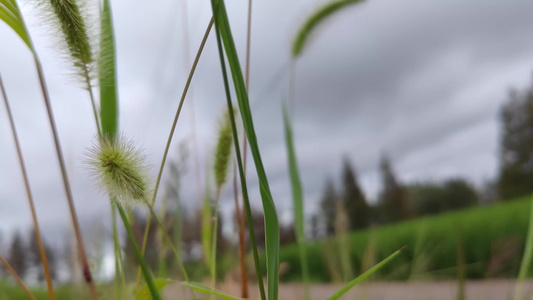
[[404, 110]]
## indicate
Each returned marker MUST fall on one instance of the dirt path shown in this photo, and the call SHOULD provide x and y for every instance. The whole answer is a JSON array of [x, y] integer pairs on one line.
[[444, 290]]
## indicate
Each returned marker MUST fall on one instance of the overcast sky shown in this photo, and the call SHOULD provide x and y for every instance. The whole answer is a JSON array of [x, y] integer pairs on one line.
[[419, 80]]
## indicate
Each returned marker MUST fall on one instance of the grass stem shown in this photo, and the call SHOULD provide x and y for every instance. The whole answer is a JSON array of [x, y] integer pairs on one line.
[[42, 251], [241, 171], [75, 224], [242, 237], [138, 255], [17, 277], [171, 134]]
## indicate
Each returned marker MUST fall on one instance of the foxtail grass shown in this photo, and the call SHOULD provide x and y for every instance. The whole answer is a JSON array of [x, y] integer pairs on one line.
[[10, 14], [220, 168], [17, 277], [71, 20]]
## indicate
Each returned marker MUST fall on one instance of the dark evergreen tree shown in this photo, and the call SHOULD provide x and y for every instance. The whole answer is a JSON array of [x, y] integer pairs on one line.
[[394, 197], [459, 194], [18, 255], [354, 199], [35, 257], [431, 198], [327, 205], [516, 153]]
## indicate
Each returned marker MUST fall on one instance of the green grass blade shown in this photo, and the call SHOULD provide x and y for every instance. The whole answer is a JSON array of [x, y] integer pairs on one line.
[[107, 74], [314, 20], [528, 252], [209, 291], [144, 292], [526, 258], [297, 197], [146, 272], [10, 14], [365, 275], [207, 216], [271, 218], [242, 174]]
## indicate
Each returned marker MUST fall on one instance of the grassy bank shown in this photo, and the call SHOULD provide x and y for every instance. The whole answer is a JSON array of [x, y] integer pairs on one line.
[[493, 238]]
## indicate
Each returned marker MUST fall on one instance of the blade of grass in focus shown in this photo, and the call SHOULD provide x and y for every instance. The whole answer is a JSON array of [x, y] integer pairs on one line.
[[137, 252], [109, 116], [244, 188], [364, 276], [271, 218], [107, 74], [297, 198]]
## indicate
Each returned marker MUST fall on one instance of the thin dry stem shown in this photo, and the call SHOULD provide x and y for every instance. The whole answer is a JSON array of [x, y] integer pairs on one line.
[[36, 227], [194, 136], [17, 277], [75, 224], [242, 238], [171, 134]]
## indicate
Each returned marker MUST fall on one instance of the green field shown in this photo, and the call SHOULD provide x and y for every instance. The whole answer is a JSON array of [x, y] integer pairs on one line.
[[493, 238]]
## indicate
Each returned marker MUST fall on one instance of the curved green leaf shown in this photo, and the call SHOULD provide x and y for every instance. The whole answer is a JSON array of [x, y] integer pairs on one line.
[[11, 15], [314, 20], [297, 198], [364, 276], [209, 291], [144, 292]]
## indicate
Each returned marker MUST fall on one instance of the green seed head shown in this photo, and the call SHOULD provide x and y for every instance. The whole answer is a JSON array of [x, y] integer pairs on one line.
[[69, 17], [223, 150], [120, 170]]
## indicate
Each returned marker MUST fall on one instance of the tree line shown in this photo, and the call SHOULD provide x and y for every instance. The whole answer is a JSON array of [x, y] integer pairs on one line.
[[344, 205], [399, 201]]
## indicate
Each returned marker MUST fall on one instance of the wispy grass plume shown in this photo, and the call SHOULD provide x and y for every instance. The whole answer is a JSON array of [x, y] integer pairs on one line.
[[119, 168], [223, 150], [70, 18], [220, 167]]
